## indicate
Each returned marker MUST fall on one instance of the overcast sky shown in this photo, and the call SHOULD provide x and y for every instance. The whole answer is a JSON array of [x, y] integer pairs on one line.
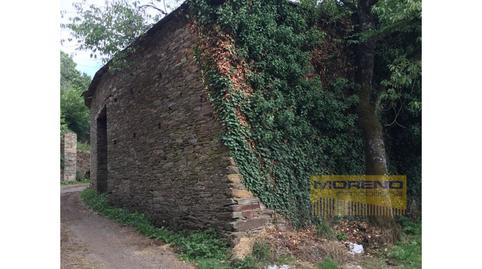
[[82, 58]]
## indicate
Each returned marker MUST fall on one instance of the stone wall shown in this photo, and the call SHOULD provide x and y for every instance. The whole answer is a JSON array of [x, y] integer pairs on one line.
[[163, 149], [68, 151], [83, 164]]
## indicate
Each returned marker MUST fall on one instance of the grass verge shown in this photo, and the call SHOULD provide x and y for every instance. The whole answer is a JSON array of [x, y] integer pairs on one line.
[[200, 247], [408, 251], [206, 249]]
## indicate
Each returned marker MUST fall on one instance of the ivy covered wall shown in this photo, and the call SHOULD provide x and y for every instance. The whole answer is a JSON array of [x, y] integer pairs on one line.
[[281, 124]]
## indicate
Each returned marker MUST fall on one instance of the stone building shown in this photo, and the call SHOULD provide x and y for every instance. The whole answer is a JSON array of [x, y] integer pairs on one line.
[[155, 140]]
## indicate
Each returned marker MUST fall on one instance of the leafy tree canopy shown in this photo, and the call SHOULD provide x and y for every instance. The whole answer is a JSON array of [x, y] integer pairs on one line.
[[70, 77], [396, 84], [74, 115], [109, 29]]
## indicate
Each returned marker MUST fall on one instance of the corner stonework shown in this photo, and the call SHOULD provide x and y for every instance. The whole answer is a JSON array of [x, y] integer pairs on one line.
[[249, 215]]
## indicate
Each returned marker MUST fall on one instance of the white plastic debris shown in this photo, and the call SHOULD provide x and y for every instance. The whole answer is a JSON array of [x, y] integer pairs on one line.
[[278, 267], [355, 248]]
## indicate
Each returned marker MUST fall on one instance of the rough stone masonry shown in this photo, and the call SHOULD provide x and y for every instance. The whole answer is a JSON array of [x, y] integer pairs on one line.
[[68, 151], [156, 142]]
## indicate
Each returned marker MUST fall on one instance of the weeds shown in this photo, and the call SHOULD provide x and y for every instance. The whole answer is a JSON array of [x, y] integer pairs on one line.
[[341, 236], [323, 229], [408, 251], [261, 257], [204, 248], [262, 252], [208, 251], [84, 147], [328, 263]]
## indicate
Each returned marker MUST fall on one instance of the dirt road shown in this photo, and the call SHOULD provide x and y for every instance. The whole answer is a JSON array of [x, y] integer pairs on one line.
[[94, 242]]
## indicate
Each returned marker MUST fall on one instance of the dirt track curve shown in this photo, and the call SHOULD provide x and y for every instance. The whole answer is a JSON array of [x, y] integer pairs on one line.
[[92, 241]]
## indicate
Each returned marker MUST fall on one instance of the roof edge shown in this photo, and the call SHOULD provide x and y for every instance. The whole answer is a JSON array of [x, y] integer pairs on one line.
[[88, 94]]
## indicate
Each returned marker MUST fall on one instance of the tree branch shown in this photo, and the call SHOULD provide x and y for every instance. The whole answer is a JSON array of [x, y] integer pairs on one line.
[[396, 117], [154, 7]]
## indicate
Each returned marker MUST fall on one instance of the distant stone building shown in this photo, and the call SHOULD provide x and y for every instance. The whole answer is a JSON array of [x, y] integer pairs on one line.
[[68, 157], [74, 162], [155, 141]]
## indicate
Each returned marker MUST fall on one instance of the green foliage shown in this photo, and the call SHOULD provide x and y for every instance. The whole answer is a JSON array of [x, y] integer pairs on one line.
[[202, 246], [297, 128], [260, 258], [398, 72], [397, 77], [63, 125], [401, 112], [70, 77], [323, 229], [106, 30], [74, 115], [391, 12], [408, 251], [328, 263], [341, 236], [84, 147], [334, 11], [261, 252]]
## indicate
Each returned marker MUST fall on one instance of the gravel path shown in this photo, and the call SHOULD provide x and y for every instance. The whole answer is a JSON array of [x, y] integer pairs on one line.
[[90, 241]]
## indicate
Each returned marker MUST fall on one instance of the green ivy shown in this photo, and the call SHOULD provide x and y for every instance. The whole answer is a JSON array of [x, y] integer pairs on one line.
[[297, 127]]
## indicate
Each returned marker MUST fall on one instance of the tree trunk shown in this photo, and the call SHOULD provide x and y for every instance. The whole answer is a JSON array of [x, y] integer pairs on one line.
[[376, 163], [374, 146]]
